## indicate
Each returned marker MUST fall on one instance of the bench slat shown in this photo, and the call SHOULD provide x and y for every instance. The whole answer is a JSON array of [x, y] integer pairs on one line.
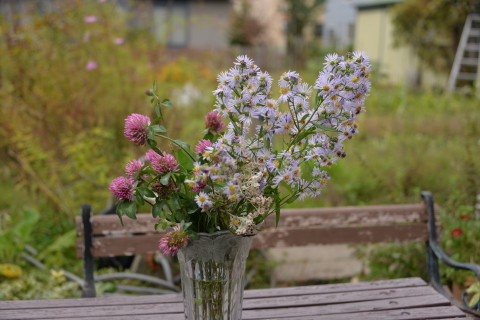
[[336, 216], [270, 238]]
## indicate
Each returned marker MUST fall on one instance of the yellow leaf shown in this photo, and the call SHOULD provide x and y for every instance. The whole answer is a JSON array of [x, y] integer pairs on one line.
[[10, 270]]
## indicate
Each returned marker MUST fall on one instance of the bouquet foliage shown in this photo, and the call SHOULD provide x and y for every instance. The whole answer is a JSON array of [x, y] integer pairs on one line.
[[272, 151]]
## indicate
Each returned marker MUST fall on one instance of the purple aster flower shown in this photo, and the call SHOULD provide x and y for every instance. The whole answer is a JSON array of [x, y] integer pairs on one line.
[[173, 241], [162, 164], [90, 19], [122, 188], [136, 128], [213, 122], [91, 65], [133, 167], [202, 145]]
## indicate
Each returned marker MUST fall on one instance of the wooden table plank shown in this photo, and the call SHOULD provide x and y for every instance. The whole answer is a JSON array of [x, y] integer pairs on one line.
[[333, 288], [399, 299], [342, 297], [347, 308], [419, 296], [249, 294], [401, 314]]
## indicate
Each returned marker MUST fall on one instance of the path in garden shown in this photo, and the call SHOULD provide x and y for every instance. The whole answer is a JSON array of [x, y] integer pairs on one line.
[[315, 263]]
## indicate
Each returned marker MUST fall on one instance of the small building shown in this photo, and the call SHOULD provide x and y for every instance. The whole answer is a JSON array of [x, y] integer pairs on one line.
[[397, 65], [339, 23]]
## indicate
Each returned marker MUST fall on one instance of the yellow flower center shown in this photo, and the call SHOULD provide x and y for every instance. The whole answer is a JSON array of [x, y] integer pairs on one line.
[[354, 79], [232, 188], [202, 199]]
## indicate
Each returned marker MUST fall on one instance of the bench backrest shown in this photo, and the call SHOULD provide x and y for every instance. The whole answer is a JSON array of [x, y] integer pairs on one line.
[[297, 227]]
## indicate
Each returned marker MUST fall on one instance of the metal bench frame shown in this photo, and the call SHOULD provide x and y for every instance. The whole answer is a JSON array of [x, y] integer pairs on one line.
[[297, 227]]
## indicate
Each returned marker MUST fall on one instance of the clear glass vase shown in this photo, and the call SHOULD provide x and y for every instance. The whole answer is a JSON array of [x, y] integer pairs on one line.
[[213, 272]]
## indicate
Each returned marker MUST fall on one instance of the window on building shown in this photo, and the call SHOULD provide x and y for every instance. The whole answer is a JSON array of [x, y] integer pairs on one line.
[[318, 30], [171, 22]]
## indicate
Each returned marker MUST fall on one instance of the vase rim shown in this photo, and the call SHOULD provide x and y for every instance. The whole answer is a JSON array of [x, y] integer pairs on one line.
[[216, 232], [227, 230]]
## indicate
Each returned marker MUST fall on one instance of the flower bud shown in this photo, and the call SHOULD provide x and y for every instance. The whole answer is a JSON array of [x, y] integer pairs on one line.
[[149, 92]]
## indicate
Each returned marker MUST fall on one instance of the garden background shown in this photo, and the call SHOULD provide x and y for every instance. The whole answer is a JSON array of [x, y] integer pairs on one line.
[[70, 76]]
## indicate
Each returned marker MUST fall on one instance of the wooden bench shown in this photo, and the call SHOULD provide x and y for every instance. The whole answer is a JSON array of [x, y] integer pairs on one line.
[[106, 237]]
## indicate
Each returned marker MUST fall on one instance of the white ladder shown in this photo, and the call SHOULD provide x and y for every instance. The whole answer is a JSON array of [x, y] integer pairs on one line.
[[465, 69]]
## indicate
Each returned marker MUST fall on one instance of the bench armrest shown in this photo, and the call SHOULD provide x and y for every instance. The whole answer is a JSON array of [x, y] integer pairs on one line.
[[435, 252]]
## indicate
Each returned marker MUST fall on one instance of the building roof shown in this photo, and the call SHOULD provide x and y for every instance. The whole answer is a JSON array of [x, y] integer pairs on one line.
[[378, 4]]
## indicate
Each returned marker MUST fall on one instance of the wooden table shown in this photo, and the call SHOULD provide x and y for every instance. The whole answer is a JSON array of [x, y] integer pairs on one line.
[[397, 299]]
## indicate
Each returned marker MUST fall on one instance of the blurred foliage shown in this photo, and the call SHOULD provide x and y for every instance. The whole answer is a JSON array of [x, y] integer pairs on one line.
[[245, 30], [39, 284], [70, 76], [301, 13], [14, 235], [460, 236], [393, 260], [432, 28]]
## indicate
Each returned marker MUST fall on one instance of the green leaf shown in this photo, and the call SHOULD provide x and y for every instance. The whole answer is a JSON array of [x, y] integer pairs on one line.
[[167, 103], [154, 86], [158, 111], [208, 135], [157, 209], [23, 228], [185, 225], [127, 208], [176, 201], [152, 143], [316, 98], [139, 198], [119, 213], [293, 198], [166, 178], [158, 128], [475, 299], [146, 192], [325, 127], [304, 134], [192, 235], [184, 159], [183, 144], [474, 288], [191, 206], [151, 133]]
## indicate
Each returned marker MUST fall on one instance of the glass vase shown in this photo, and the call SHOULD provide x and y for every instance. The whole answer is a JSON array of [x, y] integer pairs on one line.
[[213, 271]]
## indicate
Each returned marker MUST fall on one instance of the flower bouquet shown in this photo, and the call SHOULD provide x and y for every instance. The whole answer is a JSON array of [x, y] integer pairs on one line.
[[271, 152]]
